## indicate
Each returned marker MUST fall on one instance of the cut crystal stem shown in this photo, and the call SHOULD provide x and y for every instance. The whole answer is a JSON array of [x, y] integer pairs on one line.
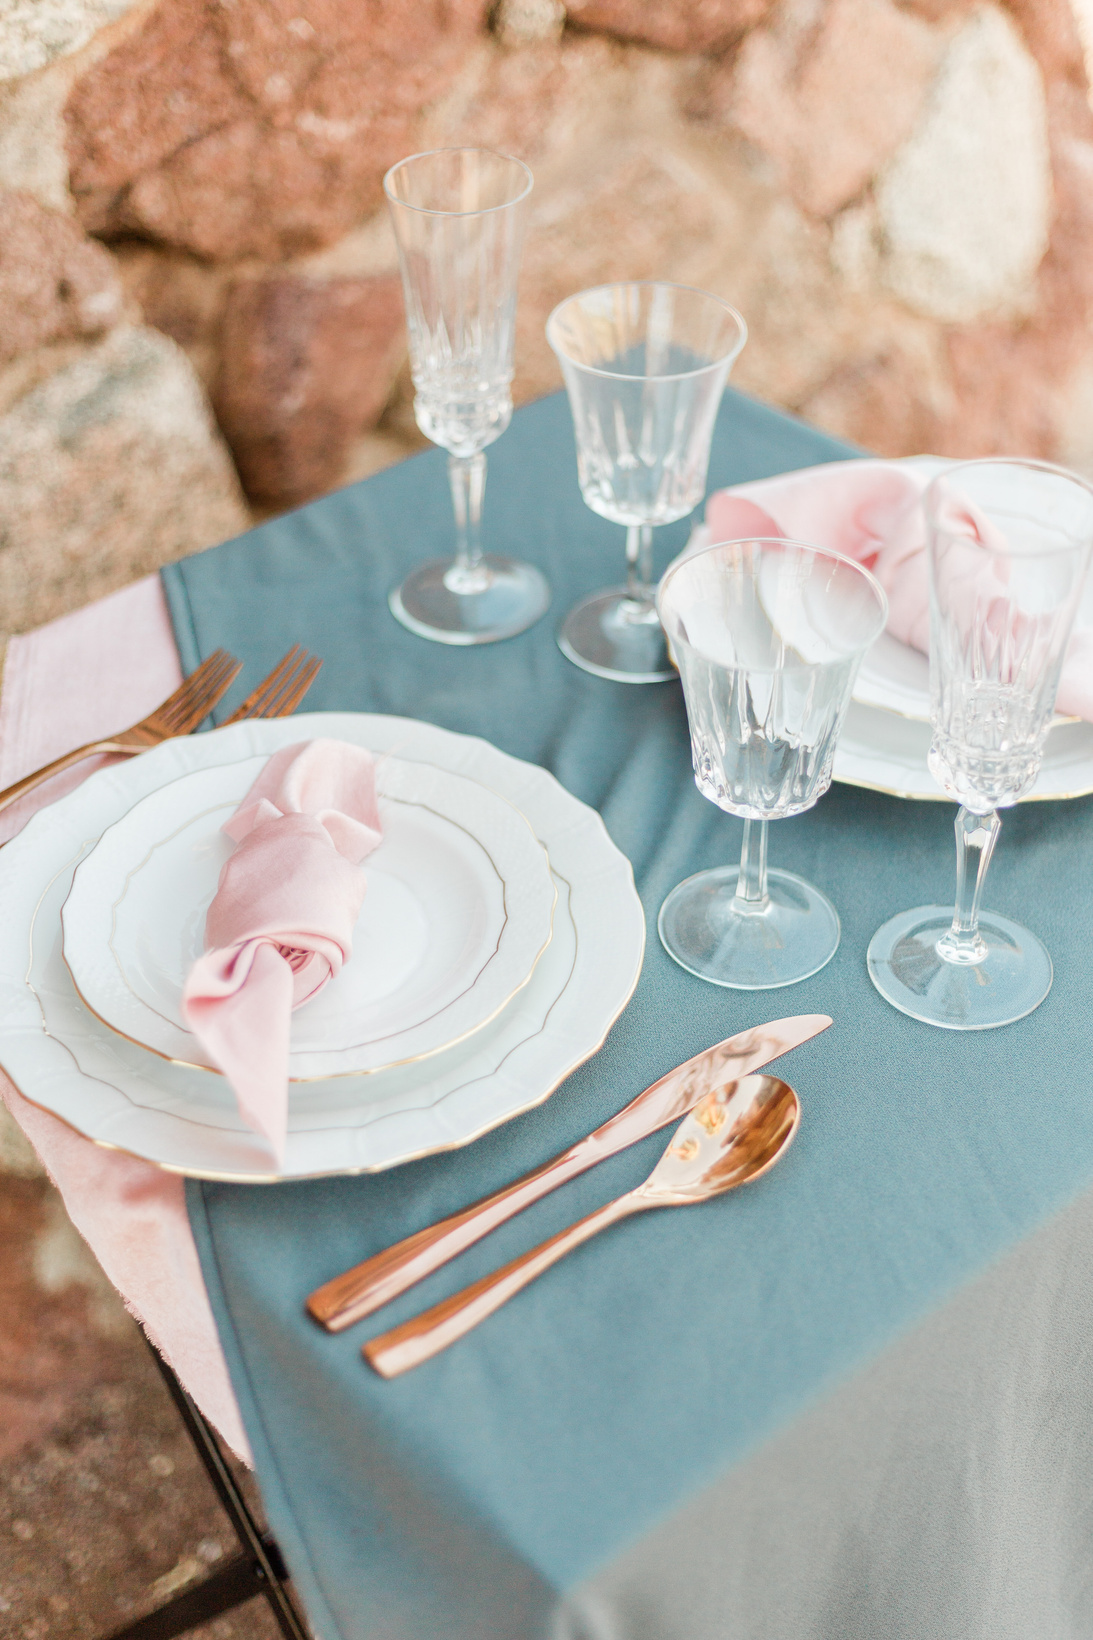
[[976, 835]]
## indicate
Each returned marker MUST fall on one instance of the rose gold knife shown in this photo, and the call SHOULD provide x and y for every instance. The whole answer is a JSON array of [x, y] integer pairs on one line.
[[368, 1286]]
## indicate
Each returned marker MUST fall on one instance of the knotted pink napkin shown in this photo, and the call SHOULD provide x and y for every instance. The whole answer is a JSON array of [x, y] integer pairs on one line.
[[281, 923], [872, 511]]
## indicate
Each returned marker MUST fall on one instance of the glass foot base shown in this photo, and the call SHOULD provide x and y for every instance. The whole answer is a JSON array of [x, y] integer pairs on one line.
[[792, 937], [497, 599], [617, 637], [906, 968]]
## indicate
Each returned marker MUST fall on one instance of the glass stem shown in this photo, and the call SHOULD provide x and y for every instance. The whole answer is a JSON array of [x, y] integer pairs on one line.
[[751, 885], [976, 835], [467, 477], [639, 562]]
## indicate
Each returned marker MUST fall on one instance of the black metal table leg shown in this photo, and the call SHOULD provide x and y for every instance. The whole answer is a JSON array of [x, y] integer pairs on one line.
[[257, 1570], [230, 1585]]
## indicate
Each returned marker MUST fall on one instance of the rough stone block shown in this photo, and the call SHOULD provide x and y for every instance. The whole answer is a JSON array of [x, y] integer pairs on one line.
[[523, 22], [1059, 34], [1065, 278], [36, 32], [257, 129], [893, 400], [965, 206], [55, 283], [701, 25], [109, 468], [830, 97], [858, 176], [180, 296], [307, 366], [553, 104]]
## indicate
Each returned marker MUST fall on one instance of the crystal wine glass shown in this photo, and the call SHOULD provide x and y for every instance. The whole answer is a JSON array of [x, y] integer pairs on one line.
[[769, 635], [645, 365], [1008, 544], [458, 215]]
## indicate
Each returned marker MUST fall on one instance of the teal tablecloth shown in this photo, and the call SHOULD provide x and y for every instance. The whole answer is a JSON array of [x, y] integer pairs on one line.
[[818, 1408]]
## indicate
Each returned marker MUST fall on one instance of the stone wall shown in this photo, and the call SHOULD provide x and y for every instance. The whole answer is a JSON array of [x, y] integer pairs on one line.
[[899, 197]]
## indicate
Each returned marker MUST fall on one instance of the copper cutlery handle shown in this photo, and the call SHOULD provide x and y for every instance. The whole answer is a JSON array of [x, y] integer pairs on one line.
[[12, 794], [373, 1283], [425, 1335], [370, 1285]]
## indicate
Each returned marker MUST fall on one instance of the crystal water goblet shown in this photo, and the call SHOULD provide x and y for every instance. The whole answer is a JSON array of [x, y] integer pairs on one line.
[[645, 365], [768, 635], [459, 217], [1008, 545]]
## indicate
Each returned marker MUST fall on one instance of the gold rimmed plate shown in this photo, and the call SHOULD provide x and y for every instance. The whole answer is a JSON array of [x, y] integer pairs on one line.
[[185, 1121], [458, 912]]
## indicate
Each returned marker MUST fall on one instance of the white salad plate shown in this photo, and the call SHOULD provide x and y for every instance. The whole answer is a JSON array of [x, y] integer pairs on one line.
[[885, 740], [457, 913], [65, 1060]]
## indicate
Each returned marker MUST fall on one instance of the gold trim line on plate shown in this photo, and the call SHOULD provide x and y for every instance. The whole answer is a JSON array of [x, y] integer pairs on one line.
[[476, 1077], [941, 797], [350, 1047], [218, 1174], [339, 1172], [394, 1064], [220, 1177]]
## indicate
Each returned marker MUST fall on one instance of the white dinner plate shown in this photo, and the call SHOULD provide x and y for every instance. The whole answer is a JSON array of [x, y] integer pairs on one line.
[[457, 913], [63, 1059], [886, 737]]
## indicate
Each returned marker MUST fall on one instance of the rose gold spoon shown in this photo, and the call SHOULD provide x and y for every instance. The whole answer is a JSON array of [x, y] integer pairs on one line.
[[733, 1135]]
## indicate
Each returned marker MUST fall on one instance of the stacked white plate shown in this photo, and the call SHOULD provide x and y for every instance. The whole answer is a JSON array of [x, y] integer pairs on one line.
[[500, 938], [886, 736]]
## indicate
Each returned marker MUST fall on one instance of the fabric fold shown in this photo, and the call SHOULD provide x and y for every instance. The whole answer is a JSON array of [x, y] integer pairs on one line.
[[281, 923], [872, 511]]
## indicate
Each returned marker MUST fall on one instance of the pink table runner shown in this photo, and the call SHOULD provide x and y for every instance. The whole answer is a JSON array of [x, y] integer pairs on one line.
[[80, 677]]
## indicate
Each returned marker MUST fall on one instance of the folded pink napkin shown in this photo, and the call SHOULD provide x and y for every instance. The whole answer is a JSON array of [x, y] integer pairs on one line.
[[872, 511], [281, 923]]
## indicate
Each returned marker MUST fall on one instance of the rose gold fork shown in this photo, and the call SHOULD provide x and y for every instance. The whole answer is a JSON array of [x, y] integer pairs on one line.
[[179, 714], [284, 689]]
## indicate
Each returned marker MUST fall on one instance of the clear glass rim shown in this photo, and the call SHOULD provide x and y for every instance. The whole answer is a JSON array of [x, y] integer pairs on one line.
[[649, 284], [933, 489], [777, 541], [432, 210]]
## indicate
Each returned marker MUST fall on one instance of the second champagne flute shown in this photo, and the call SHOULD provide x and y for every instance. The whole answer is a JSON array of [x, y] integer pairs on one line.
[[458, 215], [1008, 547], [645, 366]]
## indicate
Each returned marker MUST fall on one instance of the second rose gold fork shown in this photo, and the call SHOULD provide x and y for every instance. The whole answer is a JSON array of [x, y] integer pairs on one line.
[[281, 692]]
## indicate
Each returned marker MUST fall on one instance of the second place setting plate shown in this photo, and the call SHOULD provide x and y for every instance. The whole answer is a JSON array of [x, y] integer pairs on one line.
[[885, 740]]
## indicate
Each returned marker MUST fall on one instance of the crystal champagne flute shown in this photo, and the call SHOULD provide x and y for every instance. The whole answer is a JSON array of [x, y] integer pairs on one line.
[[645, 365], [458, 216], [768, 635], [1008, 545]]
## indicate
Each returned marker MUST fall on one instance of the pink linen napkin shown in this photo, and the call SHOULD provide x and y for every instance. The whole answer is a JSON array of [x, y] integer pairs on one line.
[[281, 923], [872, 511], [131, 1213]]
